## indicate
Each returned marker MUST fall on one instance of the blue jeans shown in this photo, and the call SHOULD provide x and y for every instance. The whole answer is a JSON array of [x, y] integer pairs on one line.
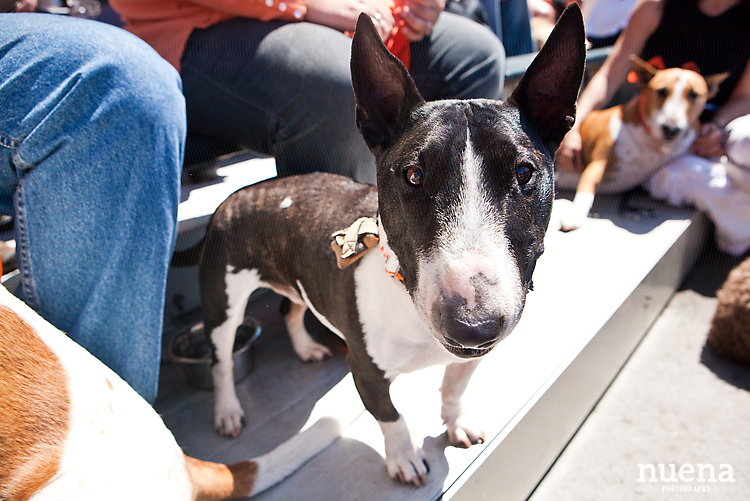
[[92, 128], [284, 89]]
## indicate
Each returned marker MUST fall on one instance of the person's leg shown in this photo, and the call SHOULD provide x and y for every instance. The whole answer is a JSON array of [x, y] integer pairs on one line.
[[738, 142], [92, 133], [281, 89], [692, 180], [284, 90], [460, 59], [516, 26]]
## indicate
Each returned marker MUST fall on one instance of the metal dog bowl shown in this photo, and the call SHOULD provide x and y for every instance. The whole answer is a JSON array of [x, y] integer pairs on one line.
[[191, 350]]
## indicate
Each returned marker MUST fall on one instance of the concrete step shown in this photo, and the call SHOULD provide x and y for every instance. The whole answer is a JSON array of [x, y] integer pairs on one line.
[[676, 404]]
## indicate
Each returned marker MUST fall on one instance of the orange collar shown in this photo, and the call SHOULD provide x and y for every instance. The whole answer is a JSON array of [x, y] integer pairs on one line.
[[391, 268]]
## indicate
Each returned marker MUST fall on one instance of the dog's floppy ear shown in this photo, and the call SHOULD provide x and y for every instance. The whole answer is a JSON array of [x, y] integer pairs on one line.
[[384, 91], [547, 92]]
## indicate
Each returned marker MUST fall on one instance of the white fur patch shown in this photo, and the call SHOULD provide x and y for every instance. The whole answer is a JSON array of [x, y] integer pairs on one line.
[[461, 430], [639, 155], [473, 242], [228, 412], [117, 444], [674, 111], [575, 214], [290, 455], [615, 125], [403, 458], [395, 336], [286, 203]]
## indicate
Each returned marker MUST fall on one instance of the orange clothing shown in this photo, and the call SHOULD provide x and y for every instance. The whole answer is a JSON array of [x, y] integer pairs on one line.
[[167, 24]]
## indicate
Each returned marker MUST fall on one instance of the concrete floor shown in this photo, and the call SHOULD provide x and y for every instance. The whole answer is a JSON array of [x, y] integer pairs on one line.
[[674, 403]]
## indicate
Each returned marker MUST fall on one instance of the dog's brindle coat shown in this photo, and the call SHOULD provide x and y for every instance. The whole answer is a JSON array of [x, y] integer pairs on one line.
[[464, 198]]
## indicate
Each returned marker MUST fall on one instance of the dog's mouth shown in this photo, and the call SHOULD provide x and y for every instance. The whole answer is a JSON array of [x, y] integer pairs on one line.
[[468, 352]]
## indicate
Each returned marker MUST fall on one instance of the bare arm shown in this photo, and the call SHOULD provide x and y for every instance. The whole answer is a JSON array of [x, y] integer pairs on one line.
[[611, 75], [739, 101], [419, 17], [711, 136], [337, 14], [342, 14]]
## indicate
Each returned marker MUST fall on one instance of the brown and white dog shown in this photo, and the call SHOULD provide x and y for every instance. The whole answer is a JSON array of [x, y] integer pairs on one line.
[[70, 428], [622, 146]]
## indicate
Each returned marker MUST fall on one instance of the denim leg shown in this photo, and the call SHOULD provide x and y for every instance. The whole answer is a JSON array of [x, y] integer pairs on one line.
[[92, 135], [460, 59], [702, 183], [516, 27], [281, 89]]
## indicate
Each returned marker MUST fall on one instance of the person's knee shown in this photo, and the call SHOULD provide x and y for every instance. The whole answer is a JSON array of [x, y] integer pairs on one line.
[[120, 71], [142, 93], [489, 57], [98, 77], [140, 127], [473, 57], [143, 86], [738, 141]]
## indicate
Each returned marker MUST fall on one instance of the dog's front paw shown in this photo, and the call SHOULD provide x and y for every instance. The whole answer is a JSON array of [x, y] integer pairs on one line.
[[573, 220], [408, 466], [574, 214], [464, 433], [404, 460], [229, 418], [311, 351]]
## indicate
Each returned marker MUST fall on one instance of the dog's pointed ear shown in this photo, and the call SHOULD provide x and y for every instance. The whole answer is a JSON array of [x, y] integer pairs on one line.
[[643, 72], [383, 89], [547, 92], [713, 83]]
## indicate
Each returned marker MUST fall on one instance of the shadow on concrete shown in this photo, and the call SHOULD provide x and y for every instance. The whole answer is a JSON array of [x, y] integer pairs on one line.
[[731, 372]]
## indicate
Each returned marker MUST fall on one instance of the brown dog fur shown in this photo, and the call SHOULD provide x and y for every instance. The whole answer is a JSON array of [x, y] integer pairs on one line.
[[730, 328]]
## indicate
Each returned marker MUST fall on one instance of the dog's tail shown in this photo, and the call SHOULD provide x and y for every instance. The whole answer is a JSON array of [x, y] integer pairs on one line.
[[247, 478], [188, 257]]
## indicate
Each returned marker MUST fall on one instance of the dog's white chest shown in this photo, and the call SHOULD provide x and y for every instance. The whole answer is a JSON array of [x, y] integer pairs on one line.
[[638, 156], [395, 337]]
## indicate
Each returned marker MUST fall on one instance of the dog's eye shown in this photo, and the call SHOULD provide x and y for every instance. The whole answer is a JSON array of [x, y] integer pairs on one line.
[[415, 175], [524, 171], [692, 95], [662, 93]]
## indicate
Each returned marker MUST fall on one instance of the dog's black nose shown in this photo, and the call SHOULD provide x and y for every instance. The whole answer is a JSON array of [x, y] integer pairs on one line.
[[471, 333], [670, 132]]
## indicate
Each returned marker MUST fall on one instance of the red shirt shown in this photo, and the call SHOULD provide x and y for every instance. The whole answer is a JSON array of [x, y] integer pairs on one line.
[[167, 24]]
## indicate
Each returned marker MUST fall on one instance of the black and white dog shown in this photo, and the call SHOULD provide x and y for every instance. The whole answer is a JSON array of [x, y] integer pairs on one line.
[[463, 200]]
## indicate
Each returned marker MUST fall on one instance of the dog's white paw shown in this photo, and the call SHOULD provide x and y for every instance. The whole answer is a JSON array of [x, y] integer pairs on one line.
[[229, 418], [404, 460], [408, 466], [311, 351], [573, 219], [462, 432], [574, 214]]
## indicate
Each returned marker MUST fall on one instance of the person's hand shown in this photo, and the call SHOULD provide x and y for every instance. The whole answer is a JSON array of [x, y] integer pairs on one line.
[[419, 17], [26, 5], [710, 141], [342, 14], [568, 156], [542, 9]]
